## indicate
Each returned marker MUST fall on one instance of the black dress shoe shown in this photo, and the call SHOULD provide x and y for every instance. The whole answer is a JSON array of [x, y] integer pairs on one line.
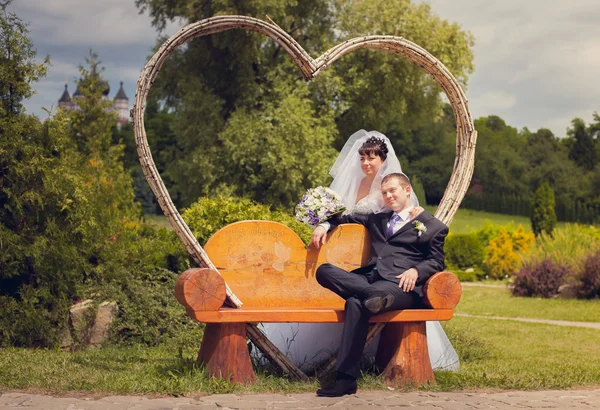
[[378, 301], [338, 389]]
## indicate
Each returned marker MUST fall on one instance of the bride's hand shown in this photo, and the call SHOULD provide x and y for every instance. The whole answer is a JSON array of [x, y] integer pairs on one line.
[[319, 236], [416, 211]]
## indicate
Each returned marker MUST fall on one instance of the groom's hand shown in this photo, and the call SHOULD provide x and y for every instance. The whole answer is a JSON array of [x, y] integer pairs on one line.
[[318, 237], [408, 279], [416, 211]]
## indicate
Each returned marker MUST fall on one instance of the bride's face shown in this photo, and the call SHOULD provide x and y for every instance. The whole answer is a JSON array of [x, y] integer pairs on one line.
[[370, 164]]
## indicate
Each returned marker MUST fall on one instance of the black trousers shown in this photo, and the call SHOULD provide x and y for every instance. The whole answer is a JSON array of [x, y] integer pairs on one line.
[[354, 287]]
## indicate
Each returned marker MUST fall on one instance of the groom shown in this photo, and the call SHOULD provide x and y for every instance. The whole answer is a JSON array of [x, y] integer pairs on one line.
[[404, 254]]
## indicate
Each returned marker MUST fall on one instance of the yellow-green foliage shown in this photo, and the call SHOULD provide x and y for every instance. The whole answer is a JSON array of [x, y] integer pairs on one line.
[[503, 253], [208, 215], [570, 244], [522, 240], [500, 258]]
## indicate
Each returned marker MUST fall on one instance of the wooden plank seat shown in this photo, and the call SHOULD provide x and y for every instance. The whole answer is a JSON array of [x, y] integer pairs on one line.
[[312, 315], [269, 268]]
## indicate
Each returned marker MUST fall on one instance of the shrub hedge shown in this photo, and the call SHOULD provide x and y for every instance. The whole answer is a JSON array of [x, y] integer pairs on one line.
[[589, 277], [540, 278], [464, 251], [208, 215]]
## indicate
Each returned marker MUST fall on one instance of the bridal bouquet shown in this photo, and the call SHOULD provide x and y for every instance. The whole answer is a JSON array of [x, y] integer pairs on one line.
[[318, 205]]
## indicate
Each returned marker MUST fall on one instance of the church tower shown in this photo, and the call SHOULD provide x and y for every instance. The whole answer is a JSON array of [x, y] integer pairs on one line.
[[121, 104], [65, 100]]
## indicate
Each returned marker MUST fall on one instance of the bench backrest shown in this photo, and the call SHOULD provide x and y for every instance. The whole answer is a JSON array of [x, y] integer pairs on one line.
[[267, 265]]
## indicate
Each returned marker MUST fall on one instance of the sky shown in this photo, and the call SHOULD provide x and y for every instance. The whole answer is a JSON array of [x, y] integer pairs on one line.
[[536, 61]]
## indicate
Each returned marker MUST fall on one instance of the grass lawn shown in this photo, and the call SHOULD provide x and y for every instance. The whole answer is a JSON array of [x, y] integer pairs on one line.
[[467, 220], [486, 301], [524, 356], [495, 354]]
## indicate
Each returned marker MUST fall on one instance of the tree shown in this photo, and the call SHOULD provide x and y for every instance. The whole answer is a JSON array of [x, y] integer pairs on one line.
[[18, 67], [548, 160], [434, 145], [35, 191], [218, 79], [64, 198], [499, 165], [90, 127], [272, 155], [583, 148], [383, 91], [543, 216]]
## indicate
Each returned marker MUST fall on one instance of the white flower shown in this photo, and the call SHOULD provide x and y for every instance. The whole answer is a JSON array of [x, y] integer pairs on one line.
[[317, 205], [420, 228]]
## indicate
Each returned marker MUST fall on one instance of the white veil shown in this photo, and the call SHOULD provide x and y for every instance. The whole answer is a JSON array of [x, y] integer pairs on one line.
[[347, 173]]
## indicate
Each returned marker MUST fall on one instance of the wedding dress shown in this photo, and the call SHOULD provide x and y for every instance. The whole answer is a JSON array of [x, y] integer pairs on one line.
[[309, 344]]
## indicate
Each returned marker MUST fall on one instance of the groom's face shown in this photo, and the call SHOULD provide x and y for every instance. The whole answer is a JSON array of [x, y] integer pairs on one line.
[[395, 195]]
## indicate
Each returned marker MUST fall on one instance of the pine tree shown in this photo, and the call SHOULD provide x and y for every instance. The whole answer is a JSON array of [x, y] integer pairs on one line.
[[543, 215]]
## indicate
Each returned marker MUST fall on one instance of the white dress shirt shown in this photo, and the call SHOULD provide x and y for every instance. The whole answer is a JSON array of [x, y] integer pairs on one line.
[[404, 218]]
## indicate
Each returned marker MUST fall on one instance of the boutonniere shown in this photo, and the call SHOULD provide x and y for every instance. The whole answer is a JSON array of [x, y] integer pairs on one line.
[[420, 228]]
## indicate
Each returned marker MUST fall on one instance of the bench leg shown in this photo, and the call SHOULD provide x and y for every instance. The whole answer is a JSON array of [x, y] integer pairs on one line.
[[403, 352], [224, 352]]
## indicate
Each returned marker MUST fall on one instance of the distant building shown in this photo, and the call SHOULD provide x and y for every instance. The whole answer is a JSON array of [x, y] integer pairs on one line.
[[120, 102]]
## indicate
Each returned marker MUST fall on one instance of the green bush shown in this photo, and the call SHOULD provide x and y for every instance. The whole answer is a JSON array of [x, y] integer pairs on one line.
[[140, 274], [464, 251], [570, 244], [465, 276], [543, 215], [208, 215]]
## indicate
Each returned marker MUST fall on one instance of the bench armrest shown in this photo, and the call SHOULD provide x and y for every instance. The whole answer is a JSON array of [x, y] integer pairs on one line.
[[200, 289], [442, 291]]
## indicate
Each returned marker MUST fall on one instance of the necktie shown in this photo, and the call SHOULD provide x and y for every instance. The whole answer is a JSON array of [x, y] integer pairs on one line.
[[390, 230]]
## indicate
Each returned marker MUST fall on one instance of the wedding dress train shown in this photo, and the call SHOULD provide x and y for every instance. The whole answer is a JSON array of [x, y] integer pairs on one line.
[[309, 344]]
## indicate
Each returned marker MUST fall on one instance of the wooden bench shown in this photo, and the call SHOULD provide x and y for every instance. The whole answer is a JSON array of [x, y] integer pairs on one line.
[[269, 268]]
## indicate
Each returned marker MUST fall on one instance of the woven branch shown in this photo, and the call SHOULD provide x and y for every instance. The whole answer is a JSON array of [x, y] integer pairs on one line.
[[466, 136], [272, 353]]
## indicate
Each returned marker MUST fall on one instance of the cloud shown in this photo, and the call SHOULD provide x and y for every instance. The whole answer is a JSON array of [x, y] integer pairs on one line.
[[536, 62], [544, 55], [495, 101], [66, 30], [86, 23]]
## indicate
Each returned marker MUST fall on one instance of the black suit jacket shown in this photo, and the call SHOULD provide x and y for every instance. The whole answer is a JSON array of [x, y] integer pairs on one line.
[[404, 249]]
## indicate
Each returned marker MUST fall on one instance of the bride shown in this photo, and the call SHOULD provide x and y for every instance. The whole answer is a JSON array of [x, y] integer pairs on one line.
[[357, 173]]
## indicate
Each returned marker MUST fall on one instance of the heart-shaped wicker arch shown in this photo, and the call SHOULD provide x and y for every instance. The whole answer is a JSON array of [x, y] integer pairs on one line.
[[466, 135]]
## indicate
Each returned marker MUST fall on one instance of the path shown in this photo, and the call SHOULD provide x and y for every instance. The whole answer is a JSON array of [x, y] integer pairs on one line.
[[566, 399], [589, 325], [481, 285]]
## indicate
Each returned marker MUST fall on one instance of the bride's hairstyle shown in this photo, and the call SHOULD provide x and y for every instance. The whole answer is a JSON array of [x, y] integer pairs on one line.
[[347, 173], [374, 146]]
